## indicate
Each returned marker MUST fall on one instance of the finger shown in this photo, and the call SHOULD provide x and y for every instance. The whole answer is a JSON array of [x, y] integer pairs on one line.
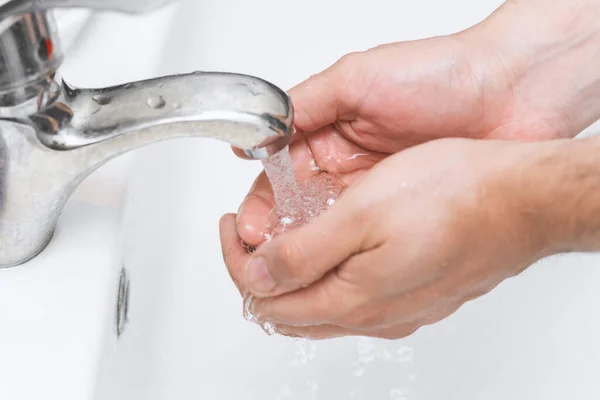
[[323, 98], [324, 302], [240, 153], [253, 214], [315, 332], [234, 254], [305, 255]]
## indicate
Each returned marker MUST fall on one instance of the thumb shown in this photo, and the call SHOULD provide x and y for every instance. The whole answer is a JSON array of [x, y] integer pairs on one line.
[[303, 256], [323, 98]]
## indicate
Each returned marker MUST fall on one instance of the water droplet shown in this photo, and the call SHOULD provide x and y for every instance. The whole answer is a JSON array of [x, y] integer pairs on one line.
[[102, 99], [156, 102], [398, 394], [177, 105], [287, 220], [304, 351], [285, 393], [248, 316], [405, 355], [384, 354], [360, 371], [366, 350], [313, 387], [269, 328], [367, 353]]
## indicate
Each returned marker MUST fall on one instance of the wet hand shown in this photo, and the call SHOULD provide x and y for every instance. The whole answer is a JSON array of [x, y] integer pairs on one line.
[[420, 234]]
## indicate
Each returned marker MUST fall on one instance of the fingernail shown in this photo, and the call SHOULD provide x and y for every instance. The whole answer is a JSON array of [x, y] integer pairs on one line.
[[258, 277]]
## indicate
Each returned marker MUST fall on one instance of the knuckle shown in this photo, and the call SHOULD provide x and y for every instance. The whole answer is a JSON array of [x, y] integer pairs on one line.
[[348, 59]]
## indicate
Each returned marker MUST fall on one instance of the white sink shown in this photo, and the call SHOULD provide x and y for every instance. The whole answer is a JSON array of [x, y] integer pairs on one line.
[[184, 337], [56, 310]]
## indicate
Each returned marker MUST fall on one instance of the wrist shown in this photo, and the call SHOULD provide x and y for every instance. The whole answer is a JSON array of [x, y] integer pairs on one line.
[[560, 194], [542, 55]]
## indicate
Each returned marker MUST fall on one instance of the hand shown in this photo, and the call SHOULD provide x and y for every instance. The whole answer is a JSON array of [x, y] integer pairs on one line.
[[396, 96], [405, 246]]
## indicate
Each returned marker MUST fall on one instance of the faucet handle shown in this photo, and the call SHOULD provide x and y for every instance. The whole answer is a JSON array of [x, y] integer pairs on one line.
[[30, 52], [20, 7]]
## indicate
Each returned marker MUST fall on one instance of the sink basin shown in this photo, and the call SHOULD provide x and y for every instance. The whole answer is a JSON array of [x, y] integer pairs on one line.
[[132, 300]]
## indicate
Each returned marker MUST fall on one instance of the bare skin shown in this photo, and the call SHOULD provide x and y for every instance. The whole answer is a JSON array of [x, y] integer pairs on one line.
[[433, 216]]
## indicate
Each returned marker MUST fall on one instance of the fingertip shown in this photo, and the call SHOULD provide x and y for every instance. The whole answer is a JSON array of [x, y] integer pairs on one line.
[[240, 153], [225, 218], [253, 219]]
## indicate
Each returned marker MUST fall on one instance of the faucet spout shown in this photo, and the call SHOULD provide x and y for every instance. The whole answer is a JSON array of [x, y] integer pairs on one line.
[[44, 156], [245, 111]]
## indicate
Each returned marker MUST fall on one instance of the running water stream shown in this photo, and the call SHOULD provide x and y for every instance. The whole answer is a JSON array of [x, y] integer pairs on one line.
[[296, 204]]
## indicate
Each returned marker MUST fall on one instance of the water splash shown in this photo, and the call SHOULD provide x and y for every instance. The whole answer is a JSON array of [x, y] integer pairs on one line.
[[405, 355], [313, 388], [370, 352], [304, 351], [286, 393], [248, 316], [298, 203], [366, 355], [399, 394], [268, 327]]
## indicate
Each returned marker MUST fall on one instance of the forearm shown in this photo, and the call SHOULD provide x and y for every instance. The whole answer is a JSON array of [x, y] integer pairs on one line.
[[550, 50], [560, 189]]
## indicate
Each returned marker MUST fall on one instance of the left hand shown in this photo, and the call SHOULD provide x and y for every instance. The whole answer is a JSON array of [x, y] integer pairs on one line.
[[420, 234]]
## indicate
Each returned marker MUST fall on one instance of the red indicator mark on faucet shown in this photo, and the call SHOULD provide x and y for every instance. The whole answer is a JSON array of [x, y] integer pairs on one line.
[[45, 49], [49, 47]]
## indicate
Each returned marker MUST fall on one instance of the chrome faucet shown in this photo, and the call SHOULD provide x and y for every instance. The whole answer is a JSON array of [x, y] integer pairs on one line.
[[53, 135]]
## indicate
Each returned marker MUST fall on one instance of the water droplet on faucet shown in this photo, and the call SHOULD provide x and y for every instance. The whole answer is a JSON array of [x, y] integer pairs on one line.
[[102, 99], [156, 102]]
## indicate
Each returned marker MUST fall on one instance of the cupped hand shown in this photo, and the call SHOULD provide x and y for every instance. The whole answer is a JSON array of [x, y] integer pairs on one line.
[[423, 227], [416, 237]]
